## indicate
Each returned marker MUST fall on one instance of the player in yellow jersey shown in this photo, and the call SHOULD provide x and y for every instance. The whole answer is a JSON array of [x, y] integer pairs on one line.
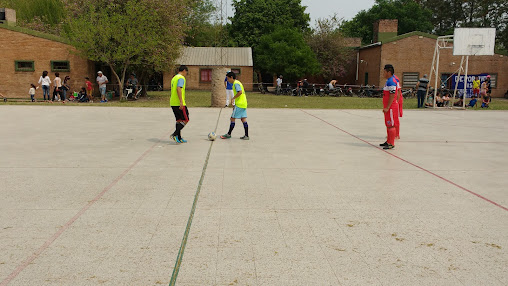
[[177, 102], [240, 110]]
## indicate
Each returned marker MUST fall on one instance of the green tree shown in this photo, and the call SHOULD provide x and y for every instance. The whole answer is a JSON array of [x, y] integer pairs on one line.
[[125, 33], [284, 51], [255, 18], [41, 15], [411, 16], [330, 47], [201, 32], [451, 14]]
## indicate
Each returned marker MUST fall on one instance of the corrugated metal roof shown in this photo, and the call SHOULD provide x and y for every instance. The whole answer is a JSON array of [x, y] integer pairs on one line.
[[208, 56]]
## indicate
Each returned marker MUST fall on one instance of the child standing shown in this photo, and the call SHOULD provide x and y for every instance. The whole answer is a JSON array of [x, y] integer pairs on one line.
[[89, 89], [32, 92], [240, 110]]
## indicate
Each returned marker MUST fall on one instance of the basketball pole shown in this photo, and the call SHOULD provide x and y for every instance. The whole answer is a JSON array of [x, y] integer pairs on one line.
[[465, 84], [457, 81]]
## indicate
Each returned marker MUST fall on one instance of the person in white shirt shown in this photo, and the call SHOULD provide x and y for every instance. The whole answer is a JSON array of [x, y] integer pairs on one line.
[[57, 93], [32, 91], [45, 81], [102, 80], [279, 85]]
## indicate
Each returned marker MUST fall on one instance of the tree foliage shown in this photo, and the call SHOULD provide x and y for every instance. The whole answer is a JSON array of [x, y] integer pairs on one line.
[[255, 18], [450, 14], [201, 31], [284, 51], [122, 33], [41, 15], [330, 47], [411, 16]]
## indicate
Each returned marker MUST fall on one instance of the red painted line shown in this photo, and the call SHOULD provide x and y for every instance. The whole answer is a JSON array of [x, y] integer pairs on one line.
[[50, 241], [412, 164], [465, 142]]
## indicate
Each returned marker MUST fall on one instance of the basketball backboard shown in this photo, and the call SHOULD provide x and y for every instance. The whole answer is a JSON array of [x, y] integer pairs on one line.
[[474, 41]]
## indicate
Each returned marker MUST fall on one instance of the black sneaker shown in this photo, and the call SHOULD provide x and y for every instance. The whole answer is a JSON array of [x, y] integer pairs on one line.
[[384, 144], [389, 146]]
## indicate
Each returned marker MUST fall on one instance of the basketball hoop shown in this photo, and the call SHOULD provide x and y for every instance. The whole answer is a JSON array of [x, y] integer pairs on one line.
[[466, 42]]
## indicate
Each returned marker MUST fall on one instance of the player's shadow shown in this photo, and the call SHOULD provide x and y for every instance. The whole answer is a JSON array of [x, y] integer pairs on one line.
[[163, 141]]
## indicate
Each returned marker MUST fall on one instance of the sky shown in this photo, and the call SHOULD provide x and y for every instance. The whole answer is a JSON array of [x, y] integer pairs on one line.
[[344, 9], [324, 8]]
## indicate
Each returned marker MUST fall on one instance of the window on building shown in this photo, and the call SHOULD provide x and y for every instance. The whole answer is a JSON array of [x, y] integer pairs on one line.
[[237, 71], [28, 66], [410, 79], [60, 66], [366, 78], [493, 80], [205, 75]]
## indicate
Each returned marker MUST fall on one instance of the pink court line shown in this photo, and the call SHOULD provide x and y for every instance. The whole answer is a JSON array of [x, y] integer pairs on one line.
[[50, 241], [466, 142], [412, 164]]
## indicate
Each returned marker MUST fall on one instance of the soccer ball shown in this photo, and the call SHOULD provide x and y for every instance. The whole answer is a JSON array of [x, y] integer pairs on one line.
[[212, 136]]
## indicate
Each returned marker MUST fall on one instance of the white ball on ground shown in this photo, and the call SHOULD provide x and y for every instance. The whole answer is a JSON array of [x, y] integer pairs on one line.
[[212, 136]]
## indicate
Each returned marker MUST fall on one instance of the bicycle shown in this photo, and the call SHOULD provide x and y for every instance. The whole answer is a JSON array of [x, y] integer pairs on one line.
[[129, 93]]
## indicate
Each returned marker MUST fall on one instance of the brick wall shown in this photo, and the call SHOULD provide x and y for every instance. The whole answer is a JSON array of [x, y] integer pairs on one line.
[[16, 46], [370, 59], [193, 78], [415, 53], [384, 29]]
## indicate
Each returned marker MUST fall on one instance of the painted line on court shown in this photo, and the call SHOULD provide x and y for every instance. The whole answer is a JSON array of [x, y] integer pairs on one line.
[[412, 164], [66, 226], [181, 251]]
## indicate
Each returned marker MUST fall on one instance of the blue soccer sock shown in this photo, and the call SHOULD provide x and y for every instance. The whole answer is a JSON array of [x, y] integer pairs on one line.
[[246, 127], [231, 127]]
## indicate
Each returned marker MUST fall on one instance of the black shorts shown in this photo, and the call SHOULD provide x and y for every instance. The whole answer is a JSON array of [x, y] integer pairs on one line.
[[181, 115]]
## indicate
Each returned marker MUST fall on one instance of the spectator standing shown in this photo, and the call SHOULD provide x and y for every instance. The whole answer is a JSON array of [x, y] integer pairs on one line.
[[279, 85], [422, 89], [229, 91], [57, 92], [489, 86], [32, 92], [89, 89], [66, 87], [476, 87], [102, 80], [483, 89], [45, 82]]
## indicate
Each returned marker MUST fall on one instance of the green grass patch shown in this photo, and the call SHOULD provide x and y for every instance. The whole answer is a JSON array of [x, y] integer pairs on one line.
[[194, 98]]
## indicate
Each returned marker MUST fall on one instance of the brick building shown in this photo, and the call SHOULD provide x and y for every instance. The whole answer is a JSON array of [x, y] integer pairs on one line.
[[201, 61], [411, 54], [26, 54]]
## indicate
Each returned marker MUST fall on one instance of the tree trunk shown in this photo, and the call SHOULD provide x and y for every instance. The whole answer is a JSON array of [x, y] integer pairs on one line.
[[218, 90], [120, 81]]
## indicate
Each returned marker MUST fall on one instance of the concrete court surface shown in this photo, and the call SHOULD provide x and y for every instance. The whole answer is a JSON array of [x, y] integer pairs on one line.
[[100, 196]]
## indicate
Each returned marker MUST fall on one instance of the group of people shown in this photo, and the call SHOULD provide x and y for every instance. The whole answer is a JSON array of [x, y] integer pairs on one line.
[[59, 90], [481, 91], [181, 112]]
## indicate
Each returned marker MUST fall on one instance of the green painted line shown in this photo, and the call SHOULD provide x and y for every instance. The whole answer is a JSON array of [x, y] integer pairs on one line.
[[179, 258]]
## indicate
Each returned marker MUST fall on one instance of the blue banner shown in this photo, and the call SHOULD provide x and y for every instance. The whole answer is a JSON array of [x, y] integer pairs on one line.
[[469, 85]]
